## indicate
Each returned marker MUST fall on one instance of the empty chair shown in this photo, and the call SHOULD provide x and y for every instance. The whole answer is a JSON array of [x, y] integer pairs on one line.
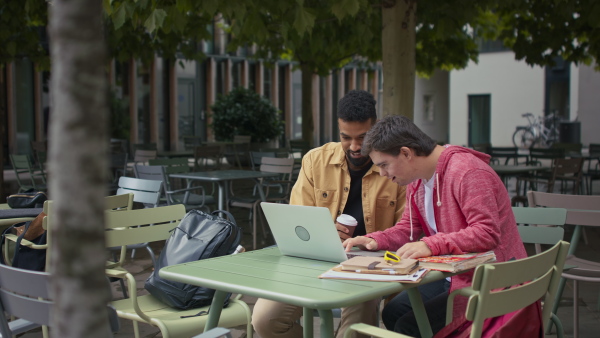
[[565, 170], [276, 190], [40, 151], [506, 153], [147, 192], [25, 294], [593, 168], [582, 210], [142, 156], [192, 197], [237, 152], [27, 175]]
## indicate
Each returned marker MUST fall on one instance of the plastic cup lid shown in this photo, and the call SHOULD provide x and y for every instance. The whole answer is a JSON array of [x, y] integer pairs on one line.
[[347, 220]]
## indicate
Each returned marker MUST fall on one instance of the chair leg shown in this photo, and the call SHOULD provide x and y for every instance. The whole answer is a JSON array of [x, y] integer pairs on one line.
[[152, 256], [575, 309], [123, 288], [559, 327], [136, 329], [254, 216]]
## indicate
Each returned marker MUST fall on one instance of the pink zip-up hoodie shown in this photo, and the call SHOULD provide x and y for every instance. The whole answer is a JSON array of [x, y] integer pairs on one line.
[[472, 212]]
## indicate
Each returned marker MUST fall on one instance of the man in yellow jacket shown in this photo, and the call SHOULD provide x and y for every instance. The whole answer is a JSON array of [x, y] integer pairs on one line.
[[338, 177]]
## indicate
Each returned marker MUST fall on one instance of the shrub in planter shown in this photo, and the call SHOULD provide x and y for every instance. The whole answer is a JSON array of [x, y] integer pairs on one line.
[[244, 112]]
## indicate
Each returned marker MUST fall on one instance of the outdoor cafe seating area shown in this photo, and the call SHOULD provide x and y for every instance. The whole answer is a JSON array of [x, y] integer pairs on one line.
[[229, 175]]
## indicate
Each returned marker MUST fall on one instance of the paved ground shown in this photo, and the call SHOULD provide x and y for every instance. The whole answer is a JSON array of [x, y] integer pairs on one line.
[[589, 292]]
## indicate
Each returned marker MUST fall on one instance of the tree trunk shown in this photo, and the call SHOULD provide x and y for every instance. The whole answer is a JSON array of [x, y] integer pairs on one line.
[[398, 56], [3, 128], [307, 113], [78, 167]]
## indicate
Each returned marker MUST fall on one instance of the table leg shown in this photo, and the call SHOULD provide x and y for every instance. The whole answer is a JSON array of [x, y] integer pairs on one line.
[[419, 310], [222, 192], [326, 323], [308, 326], [214, 312]]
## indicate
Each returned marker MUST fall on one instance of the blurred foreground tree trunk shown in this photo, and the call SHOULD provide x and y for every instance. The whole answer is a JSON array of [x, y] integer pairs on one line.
[[78, 165], [398, 56]]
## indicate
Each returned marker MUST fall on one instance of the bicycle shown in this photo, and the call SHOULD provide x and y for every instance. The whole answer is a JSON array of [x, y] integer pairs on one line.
[[536, 133]]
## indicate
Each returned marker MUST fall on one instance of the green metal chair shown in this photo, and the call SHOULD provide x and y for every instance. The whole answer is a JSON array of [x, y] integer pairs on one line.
[[22, 166], [520, 283], [123, 228]]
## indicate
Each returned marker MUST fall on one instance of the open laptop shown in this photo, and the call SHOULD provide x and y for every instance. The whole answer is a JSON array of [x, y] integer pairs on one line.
[[307, 232]]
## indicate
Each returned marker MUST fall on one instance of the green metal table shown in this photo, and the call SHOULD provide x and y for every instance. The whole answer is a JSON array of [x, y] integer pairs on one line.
[[268, 274]]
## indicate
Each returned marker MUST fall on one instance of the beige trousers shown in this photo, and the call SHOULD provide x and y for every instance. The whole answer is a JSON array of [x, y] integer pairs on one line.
[[278, 320]]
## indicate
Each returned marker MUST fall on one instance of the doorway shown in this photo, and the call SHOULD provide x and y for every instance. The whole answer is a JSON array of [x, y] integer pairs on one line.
[[479, 119]]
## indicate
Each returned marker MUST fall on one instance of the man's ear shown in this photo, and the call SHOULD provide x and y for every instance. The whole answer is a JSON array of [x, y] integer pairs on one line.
[[406, 152]]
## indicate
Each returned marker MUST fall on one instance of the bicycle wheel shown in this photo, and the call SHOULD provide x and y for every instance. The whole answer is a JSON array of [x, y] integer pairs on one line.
[[523, 138]]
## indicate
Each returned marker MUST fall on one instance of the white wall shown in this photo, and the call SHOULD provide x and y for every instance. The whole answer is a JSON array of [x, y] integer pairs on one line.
[[515, 88], [589, 104], [434, 123]]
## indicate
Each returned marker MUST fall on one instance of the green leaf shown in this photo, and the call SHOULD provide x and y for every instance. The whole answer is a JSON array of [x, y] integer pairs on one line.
[[119, 17], [184, 5], [210, 6], [304, 21], [155, 20], [107, 7], [345, 7]]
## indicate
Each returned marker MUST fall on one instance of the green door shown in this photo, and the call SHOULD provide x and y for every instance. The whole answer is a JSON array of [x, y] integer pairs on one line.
[[479, 119]]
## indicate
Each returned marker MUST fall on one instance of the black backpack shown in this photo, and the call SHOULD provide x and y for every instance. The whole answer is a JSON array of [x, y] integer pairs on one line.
[[198, 236]]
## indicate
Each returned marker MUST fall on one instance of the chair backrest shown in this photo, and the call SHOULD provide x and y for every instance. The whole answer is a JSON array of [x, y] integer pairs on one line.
[[171, 162], [567, 169], [570, 148], [535, 232], [578, 202], [142, 156], [501, 288], [123, 228], [242, 138], [256, 158], [144, 191], [119, 202], [24, 294], [503, 152], [144, 146], [22, 165], [537, 154], [205, 154], [283, 166], [148, 172]]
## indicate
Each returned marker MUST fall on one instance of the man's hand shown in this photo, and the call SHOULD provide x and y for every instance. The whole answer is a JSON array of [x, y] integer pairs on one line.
[[414, 250], [342, 231], [362, 242]]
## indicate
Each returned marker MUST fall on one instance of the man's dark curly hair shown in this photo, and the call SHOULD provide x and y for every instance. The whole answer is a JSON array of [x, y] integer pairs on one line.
[[357, 106]]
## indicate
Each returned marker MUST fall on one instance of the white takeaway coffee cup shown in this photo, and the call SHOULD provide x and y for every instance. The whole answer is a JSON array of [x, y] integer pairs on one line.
[[349, 222]]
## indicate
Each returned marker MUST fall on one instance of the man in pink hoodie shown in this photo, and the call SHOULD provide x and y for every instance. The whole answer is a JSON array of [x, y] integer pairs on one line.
[[455, 204]]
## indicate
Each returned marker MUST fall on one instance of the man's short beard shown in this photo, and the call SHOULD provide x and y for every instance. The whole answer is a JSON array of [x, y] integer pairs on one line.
[[357, 162]]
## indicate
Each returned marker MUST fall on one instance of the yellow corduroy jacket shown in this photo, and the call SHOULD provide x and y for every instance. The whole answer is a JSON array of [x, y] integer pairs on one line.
[[324, 181]]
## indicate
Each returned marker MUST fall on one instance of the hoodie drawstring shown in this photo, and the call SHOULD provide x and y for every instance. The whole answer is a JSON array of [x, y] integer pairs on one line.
[[410, 214], [437, 190]]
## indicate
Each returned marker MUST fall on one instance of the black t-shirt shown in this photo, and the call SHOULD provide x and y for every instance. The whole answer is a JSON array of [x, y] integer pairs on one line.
[[354, 204]]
